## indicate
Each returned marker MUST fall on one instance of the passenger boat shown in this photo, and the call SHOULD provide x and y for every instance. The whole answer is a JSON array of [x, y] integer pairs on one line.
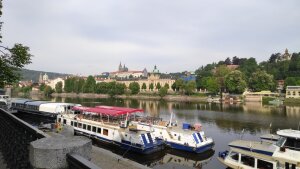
[[110, 126], [188, 138], [284, 154], [4, 101], [43, 108]]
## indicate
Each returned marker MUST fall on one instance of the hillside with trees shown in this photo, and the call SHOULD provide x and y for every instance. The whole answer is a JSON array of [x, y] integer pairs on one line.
[[34, 75]]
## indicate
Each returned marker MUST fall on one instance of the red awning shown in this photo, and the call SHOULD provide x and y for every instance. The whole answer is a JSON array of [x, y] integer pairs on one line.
[[80, 108], [127, 110]]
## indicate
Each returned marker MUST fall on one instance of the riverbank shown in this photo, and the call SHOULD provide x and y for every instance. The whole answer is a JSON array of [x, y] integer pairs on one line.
[[178, 98]]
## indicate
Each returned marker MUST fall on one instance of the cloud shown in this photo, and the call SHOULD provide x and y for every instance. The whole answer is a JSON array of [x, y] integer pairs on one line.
[[89, 37]]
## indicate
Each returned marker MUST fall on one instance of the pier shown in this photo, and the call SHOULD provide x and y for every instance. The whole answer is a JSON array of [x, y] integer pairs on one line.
[[23, 146]]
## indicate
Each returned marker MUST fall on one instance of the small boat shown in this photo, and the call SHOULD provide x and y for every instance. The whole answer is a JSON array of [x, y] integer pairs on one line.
[[5, 101], [42, 108], [284, 154], [188, 138], [110, 126]]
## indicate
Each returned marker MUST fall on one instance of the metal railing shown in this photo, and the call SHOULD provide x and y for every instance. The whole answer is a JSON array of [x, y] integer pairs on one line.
[[77, 162]]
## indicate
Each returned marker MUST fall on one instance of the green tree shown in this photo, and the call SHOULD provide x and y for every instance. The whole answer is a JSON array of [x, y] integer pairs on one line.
[[42, 87], [174, 86], [48, 91], [212, 85], [163, 92], [180, 85], [89, 85], [235, 82], [144, 87], [167, 86], [158, 86], [248, 66], [58, 87], [81, 83], [134, 87], [261, 80], [190, 87], [102, 88], [151, 86]]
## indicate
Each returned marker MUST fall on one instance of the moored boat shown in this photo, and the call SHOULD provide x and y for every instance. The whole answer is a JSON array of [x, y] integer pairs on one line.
[[188, 138], [284, 154], [110, 126]]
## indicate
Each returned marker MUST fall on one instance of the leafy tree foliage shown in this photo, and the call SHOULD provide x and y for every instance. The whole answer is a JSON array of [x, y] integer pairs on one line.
[[248, 66], [163, 92], [12, 60], [261, 80], [144, 87], [134, 87], [58, 87], [42, 87], [235, 82], [167, 86], [48, 91], [212, 85], [190, 87], [89, 85], [227, 61], [158, 86], [151, 86]]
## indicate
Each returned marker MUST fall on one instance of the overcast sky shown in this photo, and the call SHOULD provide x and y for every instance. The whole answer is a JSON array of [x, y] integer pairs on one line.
[[93, 36]]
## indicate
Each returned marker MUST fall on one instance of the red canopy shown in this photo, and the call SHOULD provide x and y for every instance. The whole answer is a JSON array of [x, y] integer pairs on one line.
[[108, 110], [125, 109]]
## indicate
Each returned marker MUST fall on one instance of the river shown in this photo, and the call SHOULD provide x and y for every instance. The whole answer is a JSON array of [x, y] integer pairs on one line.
[[223, 122]]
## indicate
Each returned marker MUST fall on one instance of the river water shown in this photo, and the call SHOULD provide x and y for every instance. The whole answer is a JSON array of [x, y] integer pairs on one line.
[[223, 122]]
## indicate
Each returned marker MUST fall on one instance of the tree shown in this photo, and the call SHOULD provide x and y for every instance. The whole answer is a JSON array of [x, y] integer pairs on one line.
[[48, 91], [235, 82], [227, 61], [102, 88], [144, 87], [158, 86], [42, 87], [163, 92], [89, 85], [58, 87], [248, 66], [190, 87], [261, 80], [151, 86], [12, 60], [134, 87], [167, 86], [212, 85], [180, 85], [173, 86]]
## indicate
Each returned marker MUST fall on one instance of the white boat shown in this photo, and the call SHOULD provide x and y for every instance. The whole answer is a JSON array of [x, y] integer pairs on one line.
[[106, 126], [188, 138], [284, 154], [5, 101], [43, 108]]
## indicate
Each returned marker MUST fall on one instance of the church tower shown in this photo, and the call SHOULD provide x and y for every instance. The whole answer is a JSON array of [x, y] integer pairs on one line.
[[41, 78], [120, 67]]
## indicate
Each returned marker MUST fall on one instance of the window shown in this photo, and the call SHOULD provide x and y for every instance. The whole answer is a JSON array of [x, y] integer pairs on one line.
[[247, 160], [59, 120], [105, 132], [75, 124], [80, 125], [89, 128], [290, 166], [84, 126], [65, 121], [264, 164], [94, 129], [294, 93], [234, 156], [99, 130], [280, 141], [288, 93], [292, 143], [71, 123]]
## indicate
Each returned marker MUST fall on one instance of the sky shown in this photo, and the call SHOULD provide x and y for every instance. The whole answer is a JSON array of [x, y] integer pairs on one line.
[[87, 37]]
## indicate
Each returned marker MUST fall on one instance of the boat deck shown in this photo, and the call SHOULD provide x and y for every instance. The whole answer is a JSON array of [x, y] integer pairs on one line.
[[254, 146]]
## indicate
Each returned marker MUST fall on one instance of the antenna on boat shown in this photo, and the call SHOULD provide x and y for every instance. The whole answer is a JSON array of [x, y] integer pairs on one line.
[[242, 134], [170, 122], [270, 128]]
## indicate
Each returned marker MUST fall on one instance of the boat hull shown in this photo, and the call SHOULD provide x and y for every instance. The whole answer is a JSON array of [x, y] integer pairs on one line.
[[200, 149]]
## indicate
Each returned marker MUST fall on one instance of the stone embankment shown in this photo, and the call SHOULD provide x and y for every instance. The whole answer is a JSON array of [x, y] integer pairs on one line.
[[180, 98]]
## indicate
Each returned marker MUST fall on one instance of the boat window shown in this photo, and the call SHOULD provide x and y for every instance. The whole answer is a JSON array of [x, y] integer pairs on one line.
[[264, 164], [292, 143], [84, 126], [94, 129], [290, 166], [89, 127], [247, 160], [105, 132], [75, 124], [234, 156], [59, 120], [80, 125], [65, 121], [280, 141], [99, 130], [71, 123]]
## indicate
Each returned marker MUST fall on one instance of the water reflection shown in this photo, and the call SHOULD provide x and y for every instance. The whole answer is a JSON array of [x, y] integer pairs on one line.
[[222, 122]]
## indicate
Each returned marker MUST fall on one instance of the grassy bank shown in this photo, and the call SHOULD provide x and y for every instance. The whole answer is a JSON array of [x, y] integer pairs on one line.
[[292, 101]]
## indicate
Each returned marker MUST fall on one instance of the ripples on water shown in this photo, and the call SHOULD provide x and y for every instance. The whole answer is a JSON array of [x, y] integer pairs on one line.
[[223, 122]]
